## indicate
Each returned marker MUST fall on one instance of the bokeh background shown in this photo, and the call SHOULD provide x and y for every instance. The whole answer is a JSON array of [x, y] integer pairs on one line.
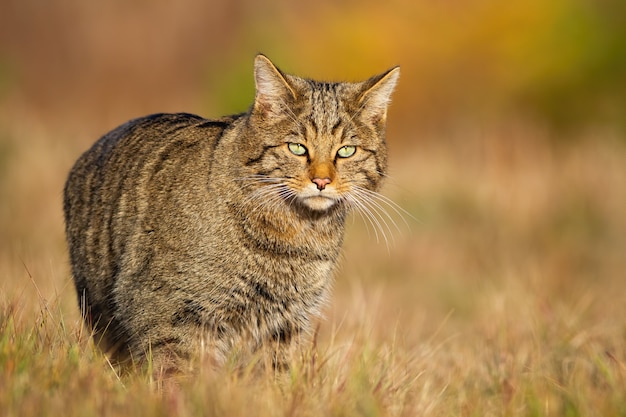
[[69, 64], [506, 135]]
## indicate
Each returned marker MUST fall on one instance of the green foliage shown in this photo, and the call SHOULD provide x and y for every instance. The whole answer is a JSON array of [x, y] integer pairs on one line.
[[232, 89], [560, 63], [554, 63], [583, 79]]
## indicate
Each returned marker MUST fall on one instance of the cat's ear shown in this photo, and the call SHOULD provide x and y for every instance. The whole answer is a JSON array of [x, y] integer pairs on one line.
[[376, 95], [273, 91]]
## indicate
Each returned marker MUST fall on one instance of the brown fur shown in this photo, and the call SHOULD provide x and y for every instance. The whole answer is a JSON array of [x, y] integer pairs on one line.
[[186, 233]]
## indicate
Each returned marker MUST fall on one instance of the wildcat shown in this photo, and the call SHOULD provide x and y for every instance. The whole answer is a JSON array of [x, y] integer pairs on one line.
[[189, 235]]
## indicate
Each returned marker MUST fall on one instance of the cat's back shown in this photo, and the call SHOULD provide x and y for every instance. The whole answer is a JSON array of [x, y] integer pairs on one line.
[[133, 154], [122, 180], [129, 158], [143, 140]]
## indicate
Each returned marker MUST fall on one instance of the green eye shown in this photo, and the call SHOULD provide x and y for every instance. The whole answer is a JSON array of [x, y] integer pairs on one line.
[[297, 148], [346, 151]]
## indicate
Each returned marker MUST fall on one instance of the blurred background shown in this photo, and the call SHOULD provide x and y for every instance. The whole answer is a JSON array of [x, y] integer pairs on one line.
[[68, 64], [506, 135]]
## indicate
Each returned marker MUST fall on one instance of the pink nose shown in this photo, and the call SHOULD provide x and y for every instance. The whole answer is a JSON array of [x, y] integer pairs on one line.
[[321, 182]]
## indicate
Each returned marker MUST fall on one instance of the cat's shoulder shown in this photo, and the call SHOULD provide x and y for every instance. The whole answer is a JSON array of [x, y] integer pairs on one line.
[[172, 122], [175, 121], [157, 127]]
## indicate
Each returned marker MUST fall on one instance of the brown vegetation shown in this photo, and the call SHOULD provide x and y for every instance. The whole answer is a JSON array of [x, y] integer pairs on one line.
[[506, 294]]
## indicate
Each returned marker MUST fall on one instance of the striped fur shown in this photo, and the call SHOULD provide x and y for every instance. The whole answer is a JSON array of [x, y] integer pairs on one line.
[[190, 236]]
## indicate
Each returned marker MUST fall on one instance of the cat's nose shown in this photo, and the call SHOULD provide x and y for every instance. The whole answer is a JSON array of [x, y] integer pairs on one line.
[[321, 182]]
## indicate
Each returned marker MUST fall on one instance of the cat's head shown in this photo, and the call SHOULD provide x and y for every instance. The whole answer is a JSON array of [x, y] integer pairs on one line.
[[317, 144]]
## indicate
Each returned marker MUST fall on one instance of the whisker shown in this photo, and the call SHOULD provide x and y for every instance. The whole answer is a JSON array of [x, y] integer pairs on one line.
[[361, 107], [381, 213], [262, 192], [264, 183], [268, 199], [270, 193], [290, 113], [356, 205], [258, 179], [371, 216], [366, 221], [377, 211], [389, 203]]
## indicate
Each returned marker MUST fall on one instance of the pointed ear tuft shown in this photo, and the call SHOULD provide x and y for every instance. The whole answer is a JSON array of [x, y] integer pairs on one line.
[[273, 91], [376, 95]]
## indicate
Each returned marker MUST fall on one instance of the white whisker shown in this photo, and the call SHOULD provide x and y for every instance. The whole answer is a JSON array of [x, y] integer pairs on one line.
[[290, 112], [366, 221], [391, 204], [358, 203], [362, 211], [379, 211], [269, 199], [361, 107], [267, 196], [262, 192]]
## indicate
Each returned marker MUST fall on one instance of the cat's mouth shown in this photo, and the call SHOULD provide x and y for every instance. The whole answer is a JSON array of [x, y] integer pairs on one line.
[[319, 202]]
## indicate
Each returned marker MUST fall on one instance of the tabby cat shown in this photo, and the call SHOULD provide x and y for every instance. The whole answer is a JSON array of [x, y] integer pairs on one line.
[[190, 236]]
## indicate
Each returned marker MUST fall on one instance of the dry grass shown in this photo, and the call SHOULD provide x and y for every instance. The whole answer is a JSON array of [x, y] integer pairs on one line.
[[507, 296]]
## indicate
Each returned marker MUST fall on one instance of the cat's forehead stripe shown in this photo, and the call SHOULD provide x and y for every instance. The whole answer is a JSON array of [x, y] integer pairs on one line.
[[325, 106]]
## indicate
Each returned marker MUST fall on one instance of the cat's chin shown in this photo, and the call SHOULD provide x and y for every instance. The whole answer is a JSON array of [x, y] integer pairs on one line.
[[318, 203]]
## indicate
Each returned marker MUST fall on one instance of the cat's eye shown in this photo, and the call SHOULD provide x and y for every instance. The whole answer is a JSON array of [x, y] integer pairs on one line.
[[297, 148], [346, 151]]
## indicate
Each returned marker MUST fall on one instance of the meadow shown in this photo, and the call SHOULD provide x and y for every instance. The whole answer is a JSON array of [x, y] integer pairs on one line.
[[499, 289], [501, 292]]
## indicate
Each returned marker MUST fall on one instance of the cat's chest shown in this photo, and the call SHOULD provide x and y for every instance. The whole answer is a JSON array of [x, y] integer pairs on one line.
[[287, 239], [288, 290]]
